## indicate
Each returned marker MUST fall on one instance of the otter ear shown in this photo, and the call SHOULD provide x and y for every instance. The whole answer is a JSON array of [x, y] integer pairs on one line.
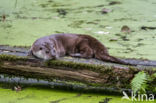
[[52, 49], [49, 45]]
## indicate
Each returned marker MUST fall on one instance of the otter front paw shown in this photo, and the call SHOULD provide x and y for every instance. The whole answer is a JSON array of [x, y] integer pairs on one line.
[[76, 55], [30, 53]]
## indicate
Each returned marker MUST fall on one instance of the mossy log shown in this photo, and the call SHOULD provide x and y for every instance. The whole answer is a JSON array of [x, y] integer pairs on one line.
[[14, 61]]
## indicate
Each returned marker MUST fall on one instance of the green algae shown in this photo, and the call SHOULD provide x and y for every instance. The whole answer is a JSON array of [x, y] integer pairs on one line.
[[29, 20], [44, 95]]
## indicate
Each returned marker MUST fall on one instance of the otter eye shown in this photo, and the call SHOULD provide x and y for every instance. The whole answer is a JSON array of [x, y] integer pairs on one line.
[[47, 52], [40, 48]]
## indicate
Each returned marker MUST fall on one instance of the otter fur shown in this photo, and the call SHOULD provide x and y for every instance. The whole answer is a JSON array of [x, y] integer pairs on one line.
[[75, 45]]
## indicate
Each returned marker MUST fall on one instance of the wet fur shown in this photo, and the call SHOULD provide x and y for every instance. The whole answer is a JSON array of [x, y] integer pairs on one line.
[[77, 45], [90, 47]]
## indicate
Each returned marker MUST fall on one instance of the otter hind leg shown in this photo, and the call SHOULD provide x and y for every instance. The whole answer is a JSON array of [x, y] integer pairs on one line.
[[84, 52]]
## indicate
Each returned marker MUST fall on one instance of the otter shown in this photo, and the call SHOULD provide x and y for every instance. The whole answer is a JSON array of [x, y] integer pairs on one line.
[[75, 45]]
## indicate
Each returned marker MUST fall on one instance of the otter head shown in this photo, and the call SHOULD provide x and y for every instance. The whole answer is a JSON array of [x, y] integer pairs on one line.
[[44, 50]]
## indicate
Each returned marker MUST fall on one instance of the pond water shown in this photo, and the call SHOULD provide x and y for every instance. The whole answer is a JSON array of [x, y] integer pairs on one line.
[[44, 95], [27, 20]]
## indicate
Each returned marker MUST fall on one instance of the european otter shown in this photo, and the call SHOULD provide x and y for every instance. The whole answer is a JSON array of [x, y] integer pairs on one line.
[[75, 45]]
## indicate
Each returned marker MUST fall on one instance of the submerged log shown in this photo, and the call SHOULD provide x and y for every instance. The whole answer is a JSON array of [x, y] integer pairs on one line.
[[91, 72]]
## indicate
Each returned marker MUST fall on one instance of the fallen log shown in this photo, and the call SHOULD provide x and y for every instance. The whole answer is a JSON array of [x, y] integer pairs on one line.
[[91, 72]]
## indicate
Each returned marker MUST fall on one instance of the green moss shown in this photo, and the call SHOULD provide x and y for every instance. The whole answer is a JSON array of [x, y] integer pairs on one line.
[[61, 64], [133, 69], [93, 67], [11, 58]]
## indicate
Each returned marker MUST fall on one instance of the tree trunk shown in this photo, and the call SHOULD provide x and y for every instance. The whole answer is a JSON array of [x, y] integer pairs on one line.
[[91, 72]]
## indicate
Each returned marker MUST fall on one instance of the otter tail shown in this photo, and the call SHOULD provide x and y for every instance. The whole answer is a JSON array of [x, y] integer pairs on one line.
[[113, 59], [132, 62]]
